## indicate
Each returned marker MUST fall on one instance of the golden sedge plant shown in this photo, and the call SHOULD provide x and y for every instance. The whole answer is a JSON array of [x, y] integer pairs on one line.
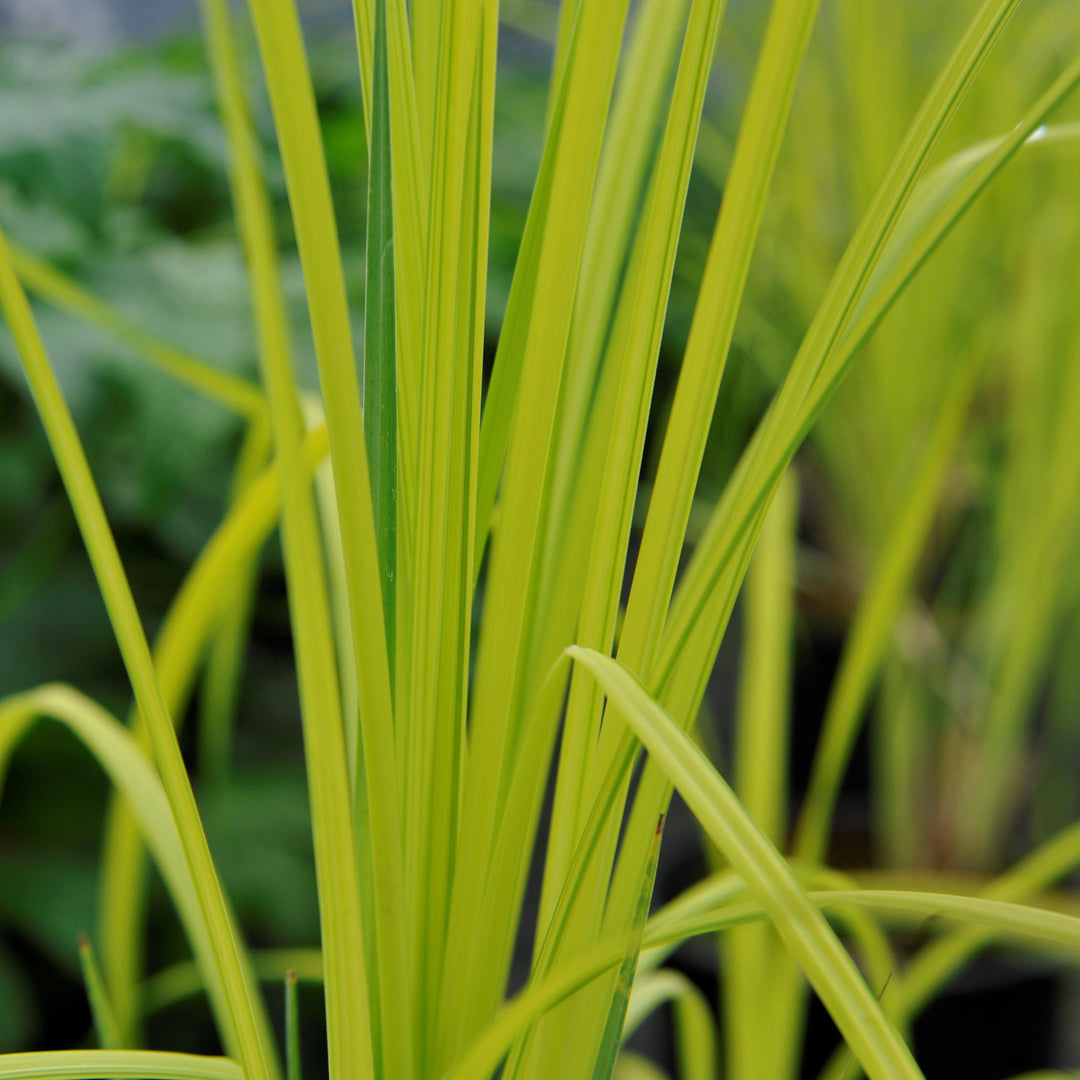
[[456, 550], [964, 644]]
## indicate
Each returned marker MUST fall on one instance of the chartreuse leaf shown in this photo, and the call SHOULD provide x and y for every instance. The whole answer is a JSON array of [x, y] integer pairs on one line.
[[1012, 920], [569, 14], [293, 104], [234, 393], [509, 868], [143, 1064], [533, 344], [762, 736], [105, 1022], [1035, 928], [611, 1037], [292, 101], [937, 963], [411, 156], [873, 948], [633, 355], [424, 23], [708, 604], [760, 133], [185, 632], [132, 775], [292, 1028], [800, 925], [763, 125], [713, 601], [764, 696], [225, 664], [1027, 925], [703, 602], [871, 944], [180, 981], [798, 402], [733, 240], [589, 39], [561, 922], [629, 143], [409, 196], [380, 356], [876, 954], [432, 731], [346, 985], [517, 1016], [877, 613], [695, 1029], [602, 306], [245, 1012]]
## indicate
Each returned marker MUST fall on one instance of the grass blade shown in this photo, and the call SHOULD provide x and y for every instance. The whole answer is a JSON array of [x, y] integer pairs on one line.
[[695, 1029], [180, 981], [232, 392], [700, 612], [532, 345], [666, 931], [877, 613], [380, 351], [346, 986], [732, 528], [620, 182], [246, 1013], [634, 353], [761, 130], [762, 738], [292, 101], [132, 775], [141, 1064], [612, 1036], [592, 35], [105, 1023], [935, 964], [225, 664], [806, 934], [293, 1070], [845, 291]]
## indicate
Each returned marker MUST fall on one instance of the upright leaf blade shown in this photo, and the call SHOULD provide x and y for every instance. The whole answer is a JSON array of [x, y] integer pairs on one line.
[[246, 1014], [292, 1028], [380, 353], [803, 929], [611, 1039]]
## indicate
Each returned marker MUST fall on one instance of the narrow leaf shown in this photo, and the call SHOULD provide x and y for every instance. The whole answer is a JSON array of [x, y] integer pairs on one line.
[[380, 355], [108, 1030], [137, 1064], [611, 1039], [292, 1028], [803, 929], [246, 1011]]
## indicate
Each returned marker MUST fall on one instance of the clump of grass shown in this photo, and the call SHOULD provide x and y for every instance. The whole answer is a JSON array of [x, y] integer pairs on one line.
[[429, 746]]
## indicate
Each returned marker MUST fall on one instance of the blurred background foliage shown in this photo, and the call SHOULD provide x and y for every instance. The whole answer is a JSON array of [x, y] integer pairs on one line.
[[112, 168]]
